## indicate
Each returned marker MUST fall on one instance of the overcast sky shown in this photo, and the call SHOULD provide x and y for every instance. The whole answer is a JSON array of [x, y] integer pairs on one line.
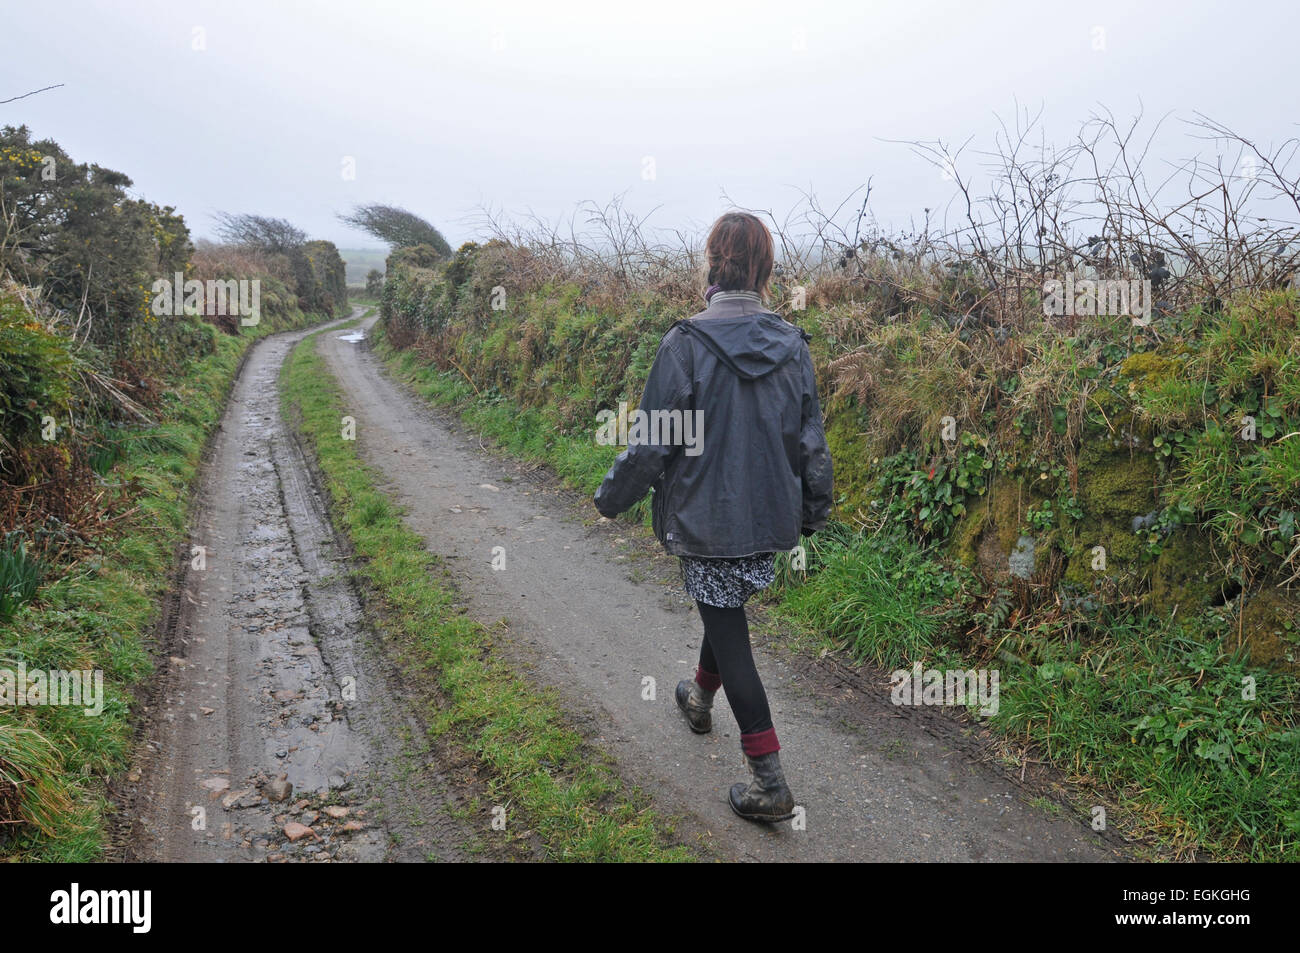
[[259, 105]]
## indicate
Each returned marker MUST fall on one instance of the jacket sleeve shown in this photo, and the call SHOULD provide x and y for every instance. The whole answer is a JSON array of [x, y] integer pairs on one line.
[[814, 455], [637, 468]]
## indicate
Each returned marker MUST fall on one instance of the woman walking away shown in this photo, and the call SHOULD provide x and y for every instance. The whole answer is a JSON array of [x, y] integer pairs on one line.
[[738, 462]]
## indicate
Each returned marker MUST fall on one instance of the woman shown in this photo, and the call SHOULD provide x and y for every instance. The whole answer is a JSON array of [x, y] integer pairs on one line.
[[757, 474]]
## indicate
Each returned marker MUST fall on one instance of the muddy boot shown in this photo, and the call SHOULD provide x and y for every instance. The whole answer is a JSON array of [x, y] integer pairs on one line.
[[696, 704], [767, 797]]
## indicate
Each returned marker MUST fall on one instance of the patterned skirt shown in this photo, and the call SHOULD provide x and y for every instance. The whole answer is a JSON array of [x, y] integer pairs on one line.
[[727, 583]]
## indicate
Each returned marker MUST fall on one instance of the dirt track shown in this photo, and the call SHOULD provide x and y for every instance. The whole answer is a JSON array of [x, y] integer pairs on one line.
[[592, 611], [267, 675]]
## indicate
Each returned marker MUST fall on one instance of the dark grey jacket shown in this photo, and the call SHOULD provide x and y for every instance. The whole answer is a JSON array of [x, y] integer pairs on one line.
[[761, 471]]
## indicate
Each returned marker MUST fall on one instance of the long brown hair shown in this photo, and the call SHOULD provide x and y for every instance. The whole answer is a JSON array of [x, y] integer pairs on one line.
[[739, 252]]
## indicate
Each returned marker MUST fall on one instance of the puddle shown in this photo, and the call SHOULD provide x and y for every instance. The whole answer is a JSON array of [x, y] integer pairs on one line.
[[353, 337]]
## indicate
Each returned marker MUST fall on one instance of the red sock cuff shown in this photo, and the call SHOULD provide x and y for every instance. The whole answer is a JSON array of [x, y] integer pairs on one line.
[[760, 743], [708, 681]]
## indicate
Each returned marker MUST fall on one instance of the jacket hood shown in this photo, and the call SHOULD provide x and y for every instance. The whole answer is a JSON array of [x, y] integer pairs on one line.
[[752, 345]]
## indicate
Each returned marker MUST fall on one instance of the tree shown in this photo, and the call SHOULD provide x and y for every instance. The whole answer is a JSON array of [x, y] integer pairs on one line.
[[397, 227], [274, 235], [374, 281]]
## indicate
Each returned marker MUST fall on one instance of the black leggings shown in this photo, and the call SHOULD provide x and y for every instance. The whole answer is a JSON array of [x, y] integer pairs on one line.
[[726, 652]]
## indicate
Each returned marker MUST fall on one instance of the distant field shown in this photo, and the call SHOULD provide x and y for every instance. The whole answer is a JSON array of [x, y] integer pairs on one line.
[[359, 261]]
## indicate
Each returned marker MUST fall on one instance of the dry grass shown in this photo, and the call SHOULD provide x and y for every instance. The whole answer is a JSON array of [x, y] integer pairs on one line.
[[29, 794]]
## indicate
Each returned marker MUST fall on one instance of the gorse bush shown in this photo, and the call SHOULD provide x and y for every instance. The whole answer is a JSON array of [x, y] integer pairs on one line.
[[75, 230], [38, 374]]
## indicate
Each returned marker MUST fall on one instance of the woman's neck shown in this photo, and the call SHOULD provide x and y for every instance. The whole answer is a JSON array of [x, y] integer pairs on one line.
[[719, 295]]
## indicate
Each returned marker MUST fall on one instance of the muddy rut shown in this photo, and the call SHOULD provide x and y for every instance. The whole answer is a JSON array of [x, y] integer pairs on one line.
[[590, 609], [276, 731]]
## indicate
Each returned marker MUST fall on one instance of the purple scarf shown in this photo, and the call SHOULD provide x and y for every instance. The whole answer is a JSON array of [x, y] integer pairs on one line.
[[711, 291]]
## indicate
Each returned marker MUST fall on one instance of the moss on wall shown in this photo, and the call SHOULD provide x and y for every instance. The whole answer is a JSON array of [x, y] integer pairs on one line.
[[854, 482], [1270, 626], [1185, 576], [1115, 485]]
